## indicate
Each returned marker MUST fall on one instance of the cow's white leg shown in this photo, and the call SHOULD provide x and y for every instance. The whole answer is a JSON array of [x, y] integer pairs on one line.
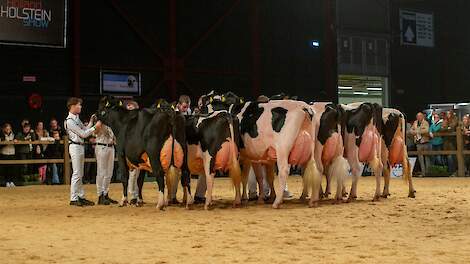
[[209, 179], [269, 170], [187, 197], [283, 168], [378, 170]]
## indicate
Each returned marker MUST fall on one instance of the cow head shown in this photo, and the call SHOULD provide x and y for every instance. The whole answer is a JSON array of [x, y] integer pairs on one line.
[[108, 107], [162, 104]]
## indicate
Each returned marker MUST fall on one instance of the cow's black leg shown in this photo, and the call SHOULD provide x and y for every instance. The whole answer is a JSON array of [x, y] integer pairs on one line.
[[157, 170], [124, 178], [140, 185]]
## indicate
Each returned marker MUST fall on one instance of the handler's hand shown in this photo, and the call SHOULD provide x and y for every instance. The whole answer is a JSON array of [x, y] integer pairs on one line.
[[98, 125]]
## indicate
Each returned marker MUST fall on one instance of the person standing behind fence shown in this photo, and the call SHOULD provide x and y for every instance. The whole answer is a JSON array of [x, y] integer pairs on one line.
[[420, 131], [77, 132], [54, 151], [41, 134], [466, 141], [450, 125], [104, 152], [7, 152], [436, 141], [25, 151]]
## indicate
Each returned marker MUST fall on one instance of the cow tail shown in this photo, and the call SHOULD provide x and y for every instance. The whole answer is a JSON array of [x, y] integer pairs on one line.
[[172, 174], [235, 171], [338, 169]]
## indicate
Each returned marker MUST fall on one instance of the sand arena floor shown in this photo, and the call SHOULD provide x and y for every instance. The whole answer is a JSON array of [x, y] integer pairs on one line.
[[38, 226]]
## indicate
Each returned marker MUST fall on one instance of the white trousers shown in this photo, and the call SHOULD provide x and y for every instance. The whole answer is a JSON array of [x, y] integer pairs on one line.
[[104, 168], [77, 155]]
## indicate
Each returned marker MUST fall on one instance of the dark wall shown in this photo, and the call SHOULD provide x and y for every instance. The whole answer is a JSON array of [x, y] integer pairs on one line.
[[126, 35], [432, 75]]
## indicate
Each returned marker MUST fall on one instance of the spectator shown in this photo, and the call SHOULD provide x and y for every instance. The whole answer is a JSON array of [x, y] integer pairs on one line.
[[25, 151], [54, 151], [54, 126], [466, 140], [184, 105], [41, 134], [420, 132], [436, 141], [450, 124], [7, 152]]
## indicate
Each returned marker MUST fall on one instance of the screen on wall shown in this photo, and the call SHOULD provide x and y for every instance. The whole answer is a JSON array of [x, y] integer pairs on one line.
[[127, 83], [33, 22]]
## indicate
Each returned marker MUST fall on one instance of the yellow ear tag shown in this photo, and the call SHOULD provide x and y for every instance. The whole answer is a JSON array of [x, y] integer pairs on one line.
[[210, 100], [242, 101], [223, 99], [107, 104], [173, 107], [120, 103], [158, 106]]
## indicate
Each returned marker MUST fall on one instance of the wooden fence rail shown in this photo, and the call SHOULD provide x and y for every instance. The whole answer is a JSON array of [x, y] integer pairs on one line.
[[65, 160]]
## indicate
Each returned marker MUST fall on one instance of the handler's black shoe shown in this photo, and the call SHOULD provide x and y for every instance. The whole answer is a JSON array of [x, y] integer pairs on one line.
[[76, 203], [106, 197], [102, 200], [86, 202]]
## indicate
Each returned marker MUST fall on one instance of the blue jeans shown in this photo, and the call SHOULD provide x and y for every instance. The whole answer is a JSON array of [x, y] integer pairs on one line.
[[55, 174]]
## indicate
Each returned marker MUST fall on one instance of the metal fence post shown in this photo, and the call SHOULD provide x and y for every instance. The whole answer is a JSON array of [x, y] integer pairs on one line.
[[66, 161], [460, 158]]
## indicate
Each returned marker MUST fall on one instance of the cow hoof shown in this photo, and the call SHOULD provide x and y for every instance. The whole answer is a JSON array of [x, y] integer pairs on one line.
[[325, 195], [351, 199], [276, 205], [313, 204], [385, 195], [237, 204], [412, 195], [376, 198], [345, 194], [207, 207], [140, 203], [173, 201], [123, 203]]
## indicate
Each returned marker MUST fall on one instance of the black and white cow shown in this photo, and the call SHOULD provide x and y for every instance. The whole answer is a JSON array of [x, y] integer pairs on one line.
[[362, 142], [148, 139], [394, 148], [213, 146], [279, 131], [329, 148]]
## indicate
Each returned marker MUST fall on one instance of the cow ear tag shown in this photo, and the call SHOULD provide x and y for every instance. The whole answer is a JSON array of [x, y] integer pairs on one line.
[[173, 107], [107, 104], [211, 99], [223, 98], [120, 103], [242, 101], [158, 106]]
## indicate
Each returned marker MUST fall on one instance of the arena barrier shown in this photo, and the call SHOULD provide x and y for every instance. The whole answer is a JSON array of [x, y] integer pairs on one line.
[[66, 160], [460, 152]]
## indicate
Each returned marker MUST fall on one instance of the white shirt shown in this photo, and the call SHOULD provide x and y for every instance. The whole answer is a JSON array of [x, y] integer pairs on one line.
[[105, 135], [76, 130]]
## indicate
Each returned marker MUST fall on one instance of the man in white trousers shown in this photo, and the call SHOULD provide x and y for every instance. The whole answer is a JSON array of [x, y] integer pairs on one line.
[[104, 153], [77, 132], [132, 186]]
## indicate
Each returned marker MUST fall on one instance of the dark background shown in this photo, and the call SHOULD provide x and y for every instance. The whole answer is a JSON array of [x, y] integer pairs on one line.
[[259, 47]]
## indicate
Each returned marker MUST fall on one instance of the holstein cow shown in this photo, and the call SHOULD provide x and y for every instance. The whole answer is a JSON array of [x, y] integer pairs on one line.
[[362, 142], [282, 132], [329, 149], [394, 148], [148, 139], [212, 146]]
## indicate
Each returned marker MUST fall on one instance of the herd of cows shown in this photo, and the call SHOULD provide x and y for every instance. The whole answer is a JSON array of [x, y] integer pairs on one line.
[[230, 135]]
